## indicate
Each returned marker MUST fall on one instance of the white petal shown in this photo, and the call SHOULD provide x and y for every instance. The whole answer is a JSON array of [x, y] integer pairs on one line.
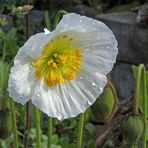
[[46, 99], [20, 82], [99, 46], [67, 100], [32, 48]]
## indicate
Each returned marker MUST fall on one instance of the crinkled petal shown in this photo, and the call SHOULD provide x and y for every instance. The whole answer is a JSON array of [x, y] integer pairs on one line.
[[67, 100], [46, 99], [32, 48], [20, 83], [98, 44]]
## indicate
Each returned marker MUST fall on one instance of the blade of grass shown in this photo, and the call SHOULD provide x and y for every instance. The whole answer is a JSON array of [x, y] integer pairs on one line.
[[14, 125], [49, 132], [47, 20]]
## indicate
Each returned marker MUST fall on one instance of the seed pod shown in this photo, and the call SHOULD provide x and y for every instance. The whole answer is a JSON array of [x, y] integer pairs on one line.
[[131, 146], [132, 128], [5, 123], [105, 104]]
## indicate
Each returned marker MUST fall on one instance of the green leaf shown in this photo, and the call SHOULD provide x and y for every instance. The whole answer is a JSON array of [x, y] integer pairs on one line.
[[91, 144], [47, 20], [55, 146], [90, 128], [55, 139]]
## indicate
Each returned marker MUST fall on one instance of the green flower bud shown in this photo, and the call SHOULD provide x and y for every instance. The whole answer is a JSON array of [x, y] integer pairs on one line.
[[132, 128], [105, 104], [5, 123]]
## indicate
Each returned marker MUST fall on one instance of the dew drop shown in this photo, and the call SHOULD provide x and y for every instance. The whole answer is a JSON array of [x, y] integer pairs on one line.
[[101, 88], [93, 84], [60, 117], [108, 46], [87, 91], [37, 95], [80, 77], [89, 103], [81, 21]]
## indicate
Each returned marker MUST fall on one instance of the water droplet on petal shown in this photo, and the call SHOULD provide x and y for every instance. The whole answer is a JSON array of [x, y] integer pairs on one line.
[[80, 77], [60, 117], [21, 72], [88, 92], [108, 46], [38, 95], [88, 102], [94, 84], [81, 21], [101, 88]]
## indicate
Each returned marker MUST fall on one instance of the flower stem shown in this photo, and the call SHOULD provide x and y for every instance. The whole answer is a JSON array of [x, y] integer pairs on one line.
[[27, 125], [141, 75], [80, 132], [57, 17], [38, 130], [145, 108], [49, 132], [16, 144], [137, 90]]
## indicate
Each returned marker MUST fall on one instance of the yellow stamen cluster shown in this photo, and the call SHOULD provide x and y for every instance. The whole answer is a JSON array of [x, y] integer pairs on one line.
[[59, 61]]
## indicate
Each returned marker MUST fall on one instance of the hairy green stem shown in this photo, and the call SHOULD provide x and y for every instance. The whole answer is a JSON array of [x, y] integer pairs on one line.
[[14, 125], [80, 132], [137, 90], [38, 130], [49, 132], [57, 17], [4, 52], [145, 108], [141, 74]]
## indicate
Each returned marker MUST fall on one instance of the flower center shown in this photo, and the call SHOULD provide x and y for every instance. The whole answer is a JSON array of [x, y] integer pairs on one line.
[[59, 61]]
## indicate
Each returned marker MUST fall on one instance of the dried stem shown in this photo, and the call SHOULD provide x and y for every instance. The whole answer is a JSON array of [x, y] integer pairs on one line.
[[27, 105]]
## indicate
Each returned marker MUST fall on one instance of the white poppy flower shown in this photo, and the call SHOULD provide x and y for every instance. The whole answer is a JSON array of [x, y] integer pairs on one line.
[[64, 71]]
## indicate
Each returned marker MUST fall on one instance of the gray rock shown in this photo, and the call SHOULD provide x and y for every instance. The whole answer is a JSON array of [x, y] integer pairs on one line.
[[142, 18], [84, 10], [123, 80], [36, 16], [8, 22], [132, 40], [36, 20]]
